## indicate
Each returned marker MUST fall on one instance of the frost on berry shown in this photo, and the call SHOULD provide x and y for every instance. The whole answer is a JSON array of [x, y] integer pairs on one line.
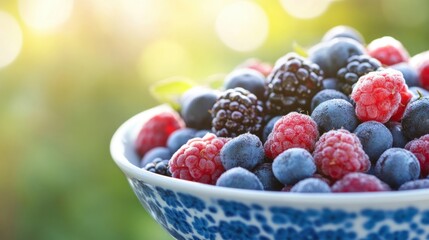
[[420, 148]]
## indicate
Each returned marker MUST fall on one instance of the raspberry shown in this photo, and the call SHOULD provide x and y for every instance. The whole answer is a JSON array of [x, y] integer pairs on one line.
[[406, 96], [339, 152], [420, 148], [235, 112], [377, 95], [290, 131], [388, 51], [199, 160], [256, 64], [420, 62], [292, 84], [155, 132], [359, 182]]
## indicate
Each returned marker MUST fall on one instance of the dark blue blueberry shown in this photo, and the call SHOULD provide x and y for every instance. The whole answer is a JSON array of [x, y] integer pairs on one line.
[[293, 165], [375, 138], [417, 91], [415, 122], [232, 208], [416, 184], [311, 185], [397, 166], [179, 137], [399, 139], [154, 153], [195, 108], [202, 133], [190, 201], [249, 79], [269, 127], [343, 32], [286, 234], [178, 220], [333, 54], [245, 150], [335, 114], [238, 230], [410, 74], [239, 178], [331, 83], [325, 95], [265, 174]]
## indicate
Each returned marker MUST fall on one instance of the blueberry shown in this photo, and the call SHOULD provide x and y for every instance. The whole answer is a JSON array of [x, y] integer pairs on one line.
[[325, 95], [335, 114], [397, 166], [245, 150], [293, 165], [202, 133], [331, 83], [399, 139], [416, 91], [195, 108], [311, 185], [265, 174], [410, 74], [239, 178], [249, 79], [415, 122], [375, 138], [332, 55], [158, 152], [343, 31], [269, 127], [416, 184], [179, 137]]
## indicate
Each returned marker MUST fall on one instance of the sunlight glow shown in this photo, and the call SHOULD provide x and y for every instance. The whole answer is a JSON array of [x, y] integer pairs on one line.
[[305, 8], [10, 39], [45, 15], [242, 26]]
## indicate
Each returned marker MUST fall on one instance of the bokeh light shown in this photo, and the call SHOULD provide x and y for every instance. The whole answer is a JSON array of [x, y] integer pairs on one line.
[[45, 15], [242, 26], [305, 8], [10, 39]]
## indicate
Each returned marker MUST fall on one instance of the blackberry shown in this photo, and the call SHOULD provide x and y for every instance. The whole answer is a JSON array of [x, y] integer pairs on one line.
[[159, 166], [292, 84], [235, 112], [356, 67]]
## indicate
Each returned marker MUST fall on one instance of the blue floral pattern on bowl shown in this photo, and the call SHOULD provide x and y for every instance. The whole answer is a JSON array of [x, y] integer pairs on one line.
[[186, 216]]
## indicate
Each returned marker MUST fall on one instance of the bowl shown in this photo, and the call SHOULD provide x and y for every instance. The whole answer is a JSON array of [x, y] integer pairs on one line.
[[189, 210]]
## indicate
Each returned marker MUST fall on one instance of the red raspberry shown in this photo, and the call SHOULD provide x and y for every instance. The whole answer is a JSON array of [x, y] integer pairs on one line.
[[421, 63], [155, 132], [339, 152], [388, 51], [405, 99], [199, 160], [290, 131], [256, 64], [378, 95], [420, 148], [360, 182]]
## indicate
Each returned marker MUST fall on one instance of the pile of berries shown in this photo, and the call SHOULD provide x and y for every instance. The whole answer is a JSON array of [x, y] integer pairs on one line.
[[349, 117]]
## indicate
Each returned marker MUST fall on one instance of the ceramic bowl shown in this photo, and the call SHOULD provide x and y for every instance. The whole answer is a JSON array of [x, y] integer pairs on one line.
[[189, 210]]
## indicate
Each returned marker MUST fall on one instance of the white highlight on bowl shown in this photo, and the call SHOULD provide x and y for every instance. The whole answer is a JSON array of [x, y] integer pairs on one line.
[[10, 39], [242, 26], [305, 8], [45, 15]]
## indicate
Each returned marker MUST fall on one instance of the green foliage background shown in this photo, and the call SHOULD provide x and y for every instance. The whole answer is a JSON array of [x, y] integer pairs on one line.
[[67, 92]]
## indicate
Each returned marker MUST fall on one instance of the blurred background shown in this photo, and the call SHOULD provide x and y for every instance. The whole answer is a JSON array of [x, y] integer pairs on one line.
[[71, 71]]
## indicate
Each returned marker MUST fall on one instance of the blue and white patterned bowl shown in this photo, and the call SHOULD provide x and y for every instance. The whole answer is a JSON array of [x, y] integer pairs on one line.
[[189, 210]]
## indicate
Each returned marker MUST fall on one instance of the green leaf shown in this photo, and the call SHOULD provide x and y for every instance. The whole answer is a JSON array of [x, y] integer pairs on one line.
[[170, 90], [299, 49]]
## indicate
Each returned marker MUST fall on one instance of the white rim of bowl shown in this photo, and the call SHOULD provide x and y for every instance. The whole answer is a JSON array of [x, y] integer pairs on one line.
[[127, 132]]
